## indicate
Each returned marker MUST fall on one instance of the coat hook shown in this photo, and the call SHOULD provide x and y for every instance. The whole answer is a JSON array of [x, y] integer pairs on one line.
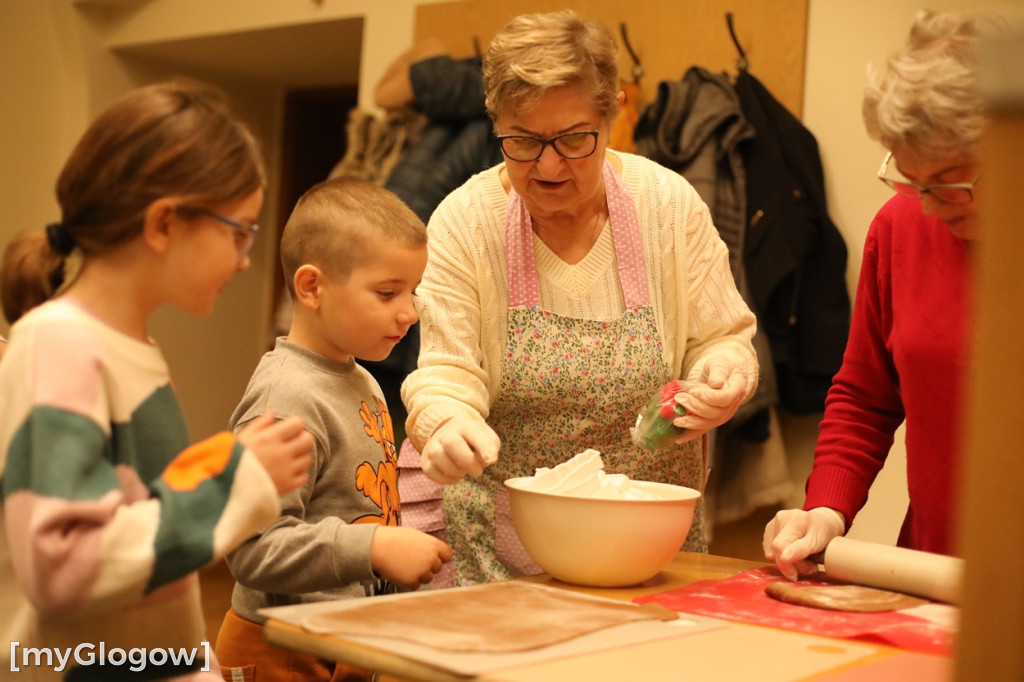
[[741, 63], [638, 70]]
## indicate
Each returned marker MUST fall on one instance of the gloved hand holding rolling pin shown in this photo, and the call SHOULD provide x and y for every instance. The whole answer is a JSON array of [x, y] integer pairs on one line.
[[794, 534]]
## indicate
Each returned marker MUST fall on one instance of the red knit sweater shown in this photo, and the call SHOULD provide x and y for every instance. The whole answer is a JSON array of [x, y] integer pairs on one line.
[[906, 358]]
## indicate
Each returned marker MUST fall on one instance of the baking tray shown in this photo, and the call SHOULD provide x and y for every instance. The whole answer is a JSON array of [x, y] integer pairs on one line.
[[470, 664]]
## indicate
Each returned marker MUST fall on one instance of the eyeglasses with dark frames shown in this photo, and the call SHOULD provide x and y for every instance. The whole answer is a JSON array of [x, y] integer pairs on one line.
[[574, 145], [954, 193], [245, 235]]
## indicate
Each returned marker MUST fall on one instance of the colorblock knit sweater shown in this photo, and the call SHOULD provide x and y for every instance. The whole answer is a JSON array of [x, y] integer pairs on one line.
[[107, 511]]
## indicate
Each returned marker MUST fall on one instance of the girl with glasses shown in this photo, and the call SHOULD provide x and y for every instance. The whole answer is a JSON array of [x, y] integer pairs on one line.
[[108, 510]]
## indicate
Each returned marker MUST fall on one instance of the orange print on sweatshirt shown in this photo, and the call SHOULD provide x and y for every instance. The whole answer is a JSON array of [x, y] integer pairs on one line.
[[380, 484]]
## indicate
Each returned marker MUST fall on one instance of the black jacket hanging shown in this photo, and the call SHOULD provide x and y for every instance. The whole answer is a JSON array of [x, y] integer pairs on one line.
[[795, 256], [695, 127], [458, 140]]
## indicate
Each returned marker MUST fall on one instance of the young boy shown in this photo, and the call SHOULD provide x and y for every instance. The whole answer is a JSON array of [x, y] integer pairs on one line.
[[353, 255]]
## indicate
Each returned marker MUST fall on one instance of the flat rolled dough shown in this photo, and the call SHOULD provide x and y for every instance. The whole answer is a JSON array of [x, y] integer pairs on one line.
[[842, 597], [492, 618]]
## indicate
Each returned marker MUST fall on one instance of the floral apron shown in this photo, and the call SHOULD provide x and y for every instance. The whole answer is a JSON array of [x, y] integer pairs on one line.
[[567, 385]]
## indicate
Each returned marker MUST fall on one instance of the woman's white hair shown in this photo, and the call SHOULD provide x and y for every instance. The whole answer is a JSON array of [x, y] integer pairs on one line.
[[927, 97]]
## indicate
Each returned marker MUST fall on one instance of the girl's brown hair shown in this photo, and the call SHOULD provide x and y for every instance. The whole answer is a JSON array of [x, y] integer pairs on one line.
[[177, 138]]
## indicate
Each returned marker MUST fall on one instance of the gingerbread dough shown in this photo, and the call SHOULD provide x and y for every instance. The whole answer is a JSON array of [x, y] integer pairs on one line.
[[841, 597], [497, 617]]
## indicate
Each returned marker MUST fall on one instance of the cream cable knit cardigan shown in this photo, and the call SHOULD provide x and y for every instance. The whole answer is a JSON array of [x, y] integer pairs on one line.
[[463, 299]]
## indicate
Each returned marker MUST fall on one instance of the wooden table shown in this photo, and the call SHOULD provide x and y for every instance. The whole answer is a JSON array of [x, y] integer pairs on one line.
[[735, 651]]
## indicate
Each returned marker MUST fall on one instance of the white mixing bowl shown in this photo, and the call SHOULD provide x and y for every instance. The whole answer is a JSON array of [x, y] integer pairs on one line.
[[602, 542]]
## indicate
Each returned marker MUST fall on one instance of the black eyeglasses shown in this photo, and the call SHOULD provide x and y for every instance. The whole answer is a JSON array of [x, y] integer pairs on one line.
[[955, 193], [245, 235], [575, 145]]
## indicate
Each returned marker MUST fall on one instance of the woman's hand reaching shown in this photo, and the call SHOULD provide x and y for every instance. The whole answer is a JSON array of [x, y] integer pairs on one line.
[[459, 446], [712, 402]]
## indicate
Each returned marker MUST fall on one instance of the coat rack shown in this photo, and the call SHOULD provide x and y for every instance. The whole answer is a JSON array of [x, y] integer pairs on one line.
[[638, 69], [741, 64]]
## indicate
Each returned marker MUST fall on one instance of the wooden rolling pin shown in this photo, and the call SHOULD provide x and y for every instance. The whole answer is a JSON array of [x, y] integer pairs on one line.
[[933, 576]]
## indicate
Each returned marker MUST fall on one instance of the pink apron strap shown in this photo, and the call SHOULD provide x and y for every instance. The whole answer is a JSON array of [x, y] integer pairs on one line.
[[523, 286], [629, 247]]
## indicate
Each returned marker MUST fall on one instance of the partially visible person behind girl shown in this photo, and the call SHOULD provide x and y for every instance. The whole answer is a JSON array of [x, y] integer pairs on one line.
[[107, 512]]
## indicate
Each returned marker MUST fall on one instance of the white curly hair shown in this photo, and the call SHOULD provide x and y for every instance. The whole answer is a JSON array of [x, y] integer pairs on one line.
[[927, 98]]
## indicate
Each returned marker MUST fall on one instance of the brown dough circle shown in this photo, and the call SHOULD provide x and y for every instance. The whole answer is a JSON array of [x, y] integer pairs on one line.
[[857, 598]]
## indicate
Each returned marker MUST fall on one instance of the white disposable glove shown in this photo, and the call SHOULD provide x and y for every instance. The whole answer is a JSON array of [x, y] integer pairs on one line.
[[794, 534], [462, 445], [712, 402]]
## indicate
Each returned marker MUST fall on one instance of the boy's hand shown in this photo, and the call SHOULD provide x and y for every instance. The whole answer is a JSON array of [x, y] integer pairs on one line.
[[282, 447], [407, 557]]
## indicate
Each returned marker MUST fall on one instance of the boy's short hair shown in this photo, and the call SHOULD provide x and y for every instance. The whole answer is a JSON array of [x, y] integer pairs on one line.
[[338, 225]]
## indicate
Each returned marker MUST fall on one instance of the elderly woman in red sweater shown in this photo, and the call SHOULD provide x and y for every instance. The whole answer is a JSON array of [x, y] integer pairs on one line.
[[909, 347]]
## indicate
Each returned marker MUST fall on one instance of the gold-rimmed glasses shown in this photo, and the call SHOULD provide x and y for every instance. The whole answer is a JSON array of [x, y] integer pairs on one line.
[[952, 193]]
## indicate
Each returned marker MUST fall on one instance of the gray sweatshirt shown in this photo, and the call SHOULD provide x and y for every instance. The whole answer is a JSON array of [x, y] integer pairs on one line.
[[319, 548]]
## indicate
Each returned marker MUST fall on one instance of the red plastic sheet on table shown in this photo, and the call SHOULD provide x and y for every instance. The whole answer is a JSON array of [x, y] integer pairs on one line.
[[742, 598]]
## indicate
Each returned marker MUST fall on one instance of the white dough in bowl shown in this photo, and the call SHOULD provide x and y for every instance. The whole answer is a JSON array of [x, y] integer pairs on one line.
[[584, 476]]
